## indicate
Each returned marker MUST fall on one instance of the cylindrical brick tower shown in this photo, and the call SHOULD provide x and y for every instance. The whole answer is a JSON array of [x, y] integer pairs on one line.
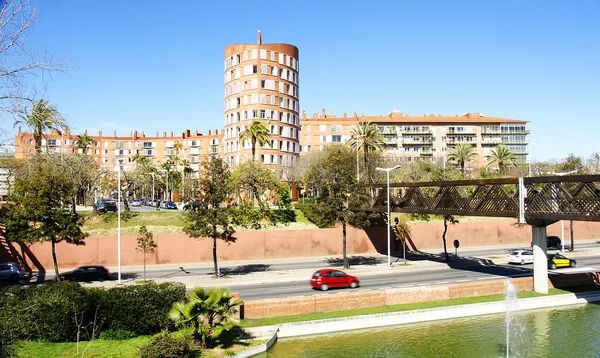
[[262, 82]]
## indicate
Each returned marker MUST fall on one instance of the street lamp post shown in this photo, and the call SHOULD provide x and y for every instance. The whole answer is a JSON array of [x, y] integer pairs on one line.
[[118, 169], [389, 223]]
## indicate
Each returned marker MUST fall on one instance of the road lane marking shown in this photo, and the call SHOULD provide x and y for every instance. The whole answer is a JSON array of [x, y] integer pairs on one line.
[[461, 281], [442, 282]]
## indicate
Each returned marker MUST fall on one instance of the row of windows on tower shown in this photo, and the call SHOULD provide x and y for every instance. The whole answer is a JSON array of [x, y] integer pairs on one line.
[[255, 83], [248, 70], [274, 129], [283, 59], [272, 100], [283, 117]]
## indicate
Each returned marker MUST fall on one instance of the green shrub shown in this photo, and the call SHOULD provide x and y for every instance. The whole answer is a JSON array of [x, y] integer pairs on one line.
[[51, 312], [117, 334], [142, 309], [312, 214], [164, 346], [59, 311]]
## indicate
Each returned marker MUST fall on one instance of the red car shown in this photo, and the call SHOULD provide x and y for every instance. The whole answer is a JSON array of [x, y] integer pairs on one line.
[[328, 278]]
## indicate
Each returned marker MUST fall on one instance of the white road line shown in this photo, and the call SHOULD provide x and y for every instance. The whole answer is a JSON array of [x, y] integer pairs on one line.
[[442, 282], [461, 281], [482, 278]]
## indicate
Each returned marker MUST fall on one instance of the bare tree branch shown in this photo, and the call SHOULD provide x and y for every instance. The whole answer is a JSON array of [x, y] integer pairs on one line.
[[18, 62]]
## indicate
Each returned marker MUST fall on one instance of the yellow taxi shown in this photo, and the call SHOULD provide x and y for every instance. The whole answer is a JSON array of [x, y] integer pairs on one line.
[[558, 260]]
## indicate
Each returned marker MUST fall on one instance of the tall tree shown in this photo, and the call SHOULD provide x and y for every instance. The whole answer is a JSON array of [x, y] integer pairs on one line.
[[20, 61], [37, 210], [83, 142], [572, 163], [340, 198], [263, 187], [461, 154], [214, 215], [258, 132], [41, 118], [366, 137], [503, 157]]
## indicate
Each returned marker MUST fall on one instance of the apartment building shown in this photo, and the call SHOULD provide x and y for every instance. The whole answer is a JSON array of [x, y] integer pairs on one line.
[[262, 82], [426, 137], [109, 150]]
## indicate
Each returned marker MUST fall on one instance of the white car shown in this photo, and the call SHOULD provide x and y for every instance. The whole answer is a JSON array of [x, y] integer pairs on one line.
[[520, 257]]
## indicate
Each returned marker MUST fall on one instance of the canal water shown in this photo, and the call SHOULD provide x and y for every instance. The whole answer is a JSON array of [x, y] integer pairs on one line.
[[572, 331]]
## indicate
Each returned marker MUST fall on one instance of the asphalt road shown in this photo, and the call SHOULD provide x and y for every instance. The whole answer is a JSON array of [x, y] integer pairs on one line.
[[309, 263], [410, 279]]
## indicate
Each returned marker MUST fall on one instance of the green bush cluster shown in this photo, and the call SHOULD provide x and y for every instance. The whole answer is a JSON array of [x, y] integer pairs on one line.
[[58, 312], [164, 345], [312, 213]]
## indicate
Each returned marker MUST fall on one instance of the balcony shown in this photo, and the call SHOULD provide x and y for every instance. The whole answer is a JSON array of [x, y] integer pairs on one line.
[[525, 132], [428, 132], [486, 133], [472, 133]]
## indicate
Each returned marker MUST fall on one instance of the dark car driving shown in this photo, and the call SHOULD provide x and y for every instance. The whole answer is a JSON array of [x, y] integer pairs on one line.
[[87, 273], [106, 206]]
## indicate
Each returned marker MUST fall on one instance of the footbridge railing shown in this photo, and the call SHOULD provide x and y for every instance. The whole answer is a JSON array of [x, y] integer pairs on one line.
[[531, 199]]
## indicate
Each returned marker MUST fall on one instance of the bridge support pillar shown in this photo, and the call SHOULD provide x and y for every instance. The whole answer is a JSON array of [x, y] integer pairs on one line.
[[540, 260]]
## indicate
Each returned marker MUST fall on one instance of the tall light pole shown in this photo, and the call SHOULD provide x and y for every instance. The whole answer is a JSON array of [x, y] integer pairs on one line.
[[389, 223], [118, 169]]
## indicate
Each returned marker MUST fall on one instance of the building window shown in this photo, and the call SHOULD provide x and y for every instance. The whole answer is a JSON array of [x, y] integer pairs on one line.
[[323, 128], [336, 128], [336, 138]]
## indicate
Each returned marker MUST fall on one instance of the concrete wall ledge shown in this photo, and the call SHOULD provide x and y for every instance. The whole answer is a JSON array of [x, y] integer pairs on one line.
[[259, 333], [431, 314]]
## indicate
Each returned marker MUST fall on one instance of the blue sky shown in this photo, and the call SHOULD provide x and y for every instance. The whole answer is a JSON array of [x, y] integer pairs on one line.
[[158, 66]]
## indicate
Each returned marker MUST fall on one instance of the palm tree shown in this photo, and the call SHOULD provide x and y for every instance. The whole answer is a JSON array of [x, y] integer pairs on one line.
[[258, 132], [177, 147], [43, 117], [83, 141], [504, 157], [143, 162], [461, 154], [367, 137], [208, 312]]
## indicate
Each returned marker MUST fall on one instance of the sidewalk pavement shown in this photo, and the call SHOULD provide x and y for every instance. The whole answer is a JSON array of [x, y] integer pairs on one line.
[[304, 274]]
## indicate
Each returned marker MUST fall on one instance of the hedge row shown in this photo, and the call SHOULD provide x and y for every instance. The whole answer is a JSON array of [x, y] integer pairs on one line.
[[312, 214], [58, 312]]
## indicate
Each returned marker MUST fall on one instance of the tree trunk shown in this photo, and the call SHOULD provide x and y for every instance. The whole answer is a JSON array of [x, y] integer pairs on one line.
[[254, 148], [444, 239], [54, 260], [74, 204], [125, 203], [572, 237], [144, 265], [346, 263], [217, 273]]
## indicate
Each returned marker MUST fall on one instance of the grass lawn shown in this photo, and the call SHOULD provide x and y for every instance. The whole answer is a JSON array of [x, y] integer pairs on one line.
[[112, 349], [163, 222], [97, 349], [392, 308]]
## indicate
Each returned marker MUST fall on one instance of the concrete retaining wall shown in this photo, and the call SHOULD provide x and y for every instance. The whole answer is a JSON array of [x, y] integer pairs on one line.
[[266, 245]]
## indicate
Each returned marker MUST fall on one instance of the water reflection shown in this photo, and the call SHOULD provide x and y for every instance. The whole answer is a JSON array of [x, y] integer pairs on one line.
[[563, 332]]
